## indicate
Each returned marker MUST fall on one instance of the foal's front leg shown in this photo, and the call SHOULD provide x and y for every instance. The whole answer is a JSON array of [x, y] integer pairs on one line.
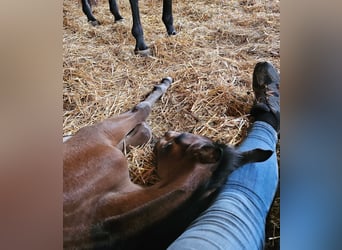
[[140, 135], [131, 125]]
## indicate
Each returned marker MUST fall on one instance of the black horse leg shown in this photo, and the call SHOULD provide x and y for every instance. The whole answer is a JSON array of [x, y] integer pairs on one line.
[[137, 30], [167, 17], [86, 7], [115, 10]]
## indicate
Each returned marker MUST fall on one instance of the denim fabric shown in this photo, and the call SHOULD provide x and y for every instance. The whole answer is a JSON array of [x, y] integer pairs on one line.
[[236, 219]]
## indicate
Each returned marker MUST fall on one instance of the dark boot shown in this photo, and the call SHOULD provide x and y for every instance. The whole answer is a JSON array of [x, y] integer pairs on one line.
[[266, 83]]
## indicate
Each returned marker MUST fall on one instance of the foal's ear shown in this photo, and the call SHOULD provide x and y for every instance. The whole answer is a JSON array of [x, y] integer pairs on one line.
[[208, 153], [255, 155]]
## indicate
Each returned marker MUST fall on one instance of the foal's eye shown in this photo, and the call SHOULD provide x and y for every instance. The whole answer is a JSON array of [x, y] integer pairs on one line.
[[168, 145]]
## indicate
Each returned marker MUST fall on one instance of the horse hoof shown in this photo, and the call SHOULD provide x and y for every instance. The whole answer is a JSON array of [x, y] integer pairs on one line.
[[94, 23], [173, 33], [145, 52], [120, 20]]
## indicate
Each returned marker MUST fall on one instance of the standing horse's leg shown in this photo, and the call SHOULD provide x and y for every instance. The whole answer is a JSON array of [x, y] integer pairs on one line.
[[115, 10], [167, 17], [137, 30], [86, 8]]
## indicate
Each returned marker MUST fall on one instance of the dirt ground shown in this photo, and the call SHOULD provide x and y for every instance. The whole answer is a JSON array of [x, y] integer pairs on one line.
[[211, 60]]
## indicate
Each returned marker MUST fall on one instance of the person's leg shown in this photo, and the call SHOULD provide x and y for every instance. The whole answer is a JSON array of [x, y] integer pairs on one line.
[[236, 219]]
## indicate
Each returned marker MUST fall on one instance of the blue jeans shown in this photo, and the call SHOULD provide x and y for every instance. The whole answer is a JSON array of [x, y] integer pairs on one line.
[[236, 219]]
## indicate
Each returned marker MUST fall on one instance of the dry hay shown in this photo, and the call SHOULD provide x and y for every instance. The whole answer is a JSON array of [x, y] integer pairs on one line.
[[211, 60]]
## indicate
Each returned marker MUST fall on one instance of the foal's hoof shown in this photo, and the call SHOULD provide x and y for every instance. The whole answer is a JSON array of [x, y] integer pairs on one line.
[[145, 52], [94, 23]]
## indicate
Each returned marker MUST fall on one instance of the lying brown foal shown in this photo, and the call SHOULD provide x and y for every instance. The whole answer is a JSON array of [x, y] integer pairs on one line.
[[104, 209]]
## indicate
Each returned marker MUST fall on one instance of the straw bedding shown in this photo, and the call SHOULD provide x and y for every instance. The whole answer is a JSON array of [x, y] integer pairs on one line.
[[211, 60]]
